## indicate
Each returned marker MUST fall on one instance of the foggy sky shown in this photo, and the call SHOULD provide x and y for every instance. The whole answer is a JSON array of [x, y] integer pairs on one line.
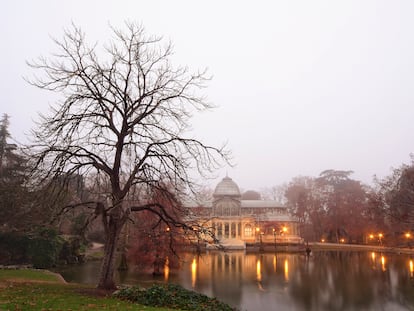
[[301, 86]]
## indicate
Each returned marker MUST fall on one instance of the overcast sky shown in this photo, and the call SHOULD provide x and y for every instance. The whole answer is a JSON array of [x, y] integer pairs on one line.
[[301, 86]]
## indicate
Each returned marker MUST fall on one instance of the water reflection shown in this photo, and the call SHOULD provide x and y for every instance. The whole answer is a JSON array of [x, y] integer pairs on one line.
[[193, 272], [166, 269], [323, 281], [286, 270], [258, 271], [383, 263]]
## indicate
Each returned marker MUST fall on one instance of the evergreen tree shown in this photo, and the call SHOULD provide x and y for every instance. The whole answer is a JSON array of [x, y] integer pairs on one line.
[[13, 193]]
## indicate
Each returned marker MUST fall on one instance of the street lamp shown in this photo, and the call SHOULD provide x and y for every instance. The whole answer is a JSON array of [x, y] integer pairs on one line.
[[380, 236], [408, 237], [261, 242]]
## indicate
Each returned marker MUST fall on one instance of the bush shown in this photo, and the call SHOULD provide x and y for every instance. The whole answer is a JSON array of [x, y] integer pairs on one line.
[[14, 248], [40, 248], [171, 296], [44, 248]]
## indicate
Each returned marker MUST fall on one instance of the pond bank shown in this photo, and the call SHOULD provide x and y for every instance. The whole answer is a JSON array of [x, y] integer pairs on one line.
[[318, 246], [28, 289]]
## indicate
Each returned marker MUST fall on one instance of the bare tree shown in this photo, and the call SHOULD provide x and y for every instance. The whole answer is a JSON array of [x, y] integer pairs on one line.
[[123, 117], [395, 195], [276, 193]]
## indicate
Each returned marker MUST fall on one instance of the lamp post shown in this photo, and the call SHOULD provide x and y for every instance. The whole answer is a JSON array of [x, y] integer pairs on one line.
[[282, 233], [274, 237], [261, 241], [258, 233], [408, 237], [380, 236]]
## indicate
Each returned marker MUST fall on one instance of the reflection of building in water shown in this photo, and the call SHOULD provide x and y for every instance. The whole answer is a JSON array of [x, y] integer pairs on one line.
[[232, 274], [236, 221], [219, 274]]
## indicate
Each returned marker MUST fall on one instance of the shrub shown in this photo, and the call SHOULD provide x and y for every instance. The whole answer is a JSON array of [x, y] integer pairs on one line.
[[44, 248], [40, 248], [171, 296], [13, 248]]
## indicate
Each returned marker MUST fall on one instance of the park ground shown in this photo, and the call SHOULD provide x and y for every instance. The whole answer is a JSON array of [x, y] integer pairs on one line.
[[27, 289]]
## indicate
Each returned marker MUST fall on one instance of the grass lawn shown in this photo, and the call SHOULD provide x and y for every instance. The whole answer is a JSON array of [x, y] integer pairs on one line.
[[42, 290]]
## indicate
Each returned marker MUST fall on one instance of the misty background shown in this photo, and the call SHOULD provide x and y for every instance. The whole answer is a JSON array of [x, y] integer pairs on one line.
[[300, 86]]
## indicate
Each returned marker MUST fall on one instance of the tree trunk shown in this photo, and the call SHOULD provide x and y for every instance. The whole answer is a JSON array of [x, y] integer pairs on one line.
[[123, 264], [106, 280]]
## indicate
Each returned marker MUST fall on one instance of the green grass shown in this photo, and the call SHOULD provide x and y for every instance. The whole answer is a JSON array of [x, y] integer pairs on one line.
[[28, 274], [41, 290]]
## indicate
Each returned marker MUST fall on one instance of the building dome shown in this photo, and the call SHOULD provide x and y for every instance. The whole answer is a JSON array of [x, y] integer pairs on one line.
[[226, 187]]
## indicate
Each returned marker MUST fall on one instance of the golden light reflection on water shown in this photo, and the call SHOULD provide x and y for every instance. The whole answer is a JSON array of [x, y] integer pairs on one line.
[[274, 263], [166, 269], [411, 268], [383, 263], [193, 272], [286, 270], [258, 271]]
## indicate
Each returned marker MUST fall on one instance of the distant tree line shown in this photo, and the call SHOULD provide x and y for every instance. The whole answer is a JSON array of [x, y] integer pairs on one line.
[[333, 207]]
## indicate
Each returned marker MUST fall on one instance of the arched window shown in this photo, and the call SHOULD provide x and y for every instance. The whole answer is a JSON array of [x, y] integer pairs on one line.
[[248, 231], [233, 230], [226, 211]]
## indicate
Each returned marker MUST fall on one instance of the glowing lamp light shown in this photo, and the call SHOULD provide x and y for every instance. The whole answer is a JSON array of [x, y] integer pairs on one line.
[[408, 235]]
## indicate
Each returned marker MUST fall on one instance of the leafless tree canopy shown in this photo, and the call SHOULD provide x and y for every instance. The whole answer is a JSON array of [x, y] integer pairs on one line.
[[123, 117]]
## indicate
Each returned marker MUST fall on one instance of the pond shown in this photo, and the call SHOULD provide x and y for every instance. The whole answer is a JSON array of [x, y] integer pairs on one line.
[[324, 281]]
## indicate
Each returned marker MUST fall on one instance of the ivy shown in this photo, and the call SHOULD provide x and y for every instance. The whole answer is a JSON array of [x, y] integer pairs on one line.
[[171, 296]]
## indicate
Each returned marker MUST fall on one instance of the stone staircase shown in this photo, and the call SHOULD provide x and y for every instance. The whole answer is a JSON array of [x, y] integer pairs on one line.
[[228, 244]]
